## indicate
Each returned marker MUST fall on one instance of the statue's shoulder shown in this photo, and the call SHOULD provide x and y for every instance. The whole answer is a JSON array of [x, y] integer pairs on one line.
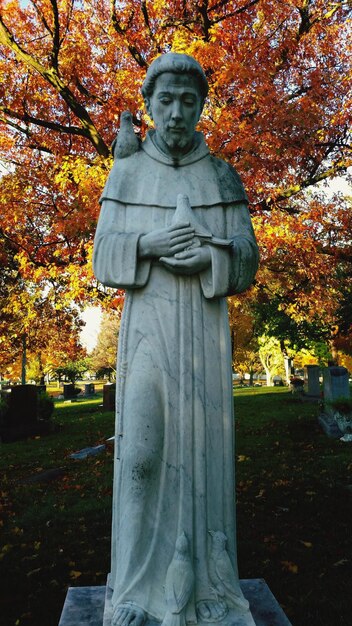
[[227, 175], [130, 163]]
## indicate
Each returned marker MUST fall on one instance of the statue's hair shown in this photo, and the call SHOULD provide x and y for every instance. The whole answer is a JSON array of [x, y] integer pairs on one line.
[[177, 64]]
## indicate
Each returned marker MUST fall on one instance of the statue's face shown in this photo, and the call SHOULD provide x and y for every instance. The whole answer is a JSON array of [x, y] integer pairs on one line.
[[175, 107]]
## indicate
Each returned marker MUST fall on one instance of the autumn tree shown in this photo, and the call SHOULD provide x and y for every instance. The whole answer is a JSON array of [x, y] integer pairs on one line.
[[103, 356], [279, 111], [33, 332], [245, 357], [271, 358]]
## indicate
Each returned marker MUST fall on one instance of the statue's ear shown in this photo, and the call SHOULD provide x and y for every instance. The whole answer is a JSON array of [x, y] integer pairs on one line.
[[148, 107]]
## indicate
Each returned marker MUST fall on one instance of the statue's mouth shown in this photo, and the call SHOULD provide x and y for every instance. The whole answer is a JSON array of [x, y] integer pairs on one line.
[[176, 129]]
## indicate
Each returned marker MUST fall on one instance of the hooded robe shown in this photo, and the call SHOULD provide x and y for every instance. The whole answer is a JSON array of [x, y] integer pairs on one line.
[[174, 465]]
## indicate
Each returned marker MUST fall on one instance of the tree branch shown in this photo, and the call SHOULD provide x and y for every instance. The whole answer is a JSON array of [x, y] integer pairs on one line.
[[148, 26], [29, 119], [52, 76], [56, 35], [138, 57]]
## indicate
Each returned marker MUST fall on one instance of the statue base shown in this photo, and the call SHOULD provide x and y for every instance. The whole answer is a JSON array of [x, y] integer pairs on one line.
[[91, 606]]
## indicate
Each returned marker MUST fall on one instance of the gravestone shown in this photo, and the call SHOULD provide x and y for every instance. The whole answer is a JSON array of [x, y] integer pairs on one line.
[[70, 391], [311, 380], [89, 389], [278, 382], [336, 385], [109, 394], [22, 405], [21, 418], [289, 369]]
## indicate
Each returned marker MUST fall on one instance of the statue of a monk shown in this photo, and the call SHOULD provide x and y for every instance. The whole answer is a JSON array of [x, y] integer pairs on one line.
[[175, 233]]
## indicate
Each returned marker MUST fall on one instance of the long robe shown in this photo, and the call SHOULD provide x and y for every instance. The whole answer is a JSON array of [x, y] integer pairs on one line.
[[174, 465]]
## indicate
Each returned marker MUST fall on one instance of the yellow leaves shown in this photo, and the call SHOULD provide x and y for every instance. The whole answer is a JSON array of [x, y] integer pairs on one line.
[[242, 457], [74, 574], [5, 550], [181, 41], [307, 544], [79, 169], [288, 566]]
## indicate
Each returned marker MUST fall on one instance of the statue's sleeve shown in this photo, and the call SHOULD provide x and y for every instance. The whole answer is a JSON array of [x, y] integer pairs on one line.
[[232, 269], [115, 256]]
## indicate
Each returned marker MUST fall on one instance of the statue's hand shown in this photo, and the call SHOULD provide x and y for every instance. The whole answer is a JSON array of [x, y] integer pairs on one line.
[[188, 262], [165, 242]]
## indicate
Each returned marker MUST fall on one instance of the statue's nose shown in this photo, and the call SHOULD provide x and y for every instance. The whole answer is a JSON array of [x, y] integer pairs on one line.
[[176, 112]]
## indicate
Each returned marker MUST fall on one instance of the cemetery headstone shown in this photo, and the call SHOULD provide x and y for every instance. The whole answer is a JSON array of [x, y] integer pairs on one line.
[[89, 389], [70, 391], [21, 418], [278, 382], [335, 387], [22, 405], [311, 381], [109, 395]]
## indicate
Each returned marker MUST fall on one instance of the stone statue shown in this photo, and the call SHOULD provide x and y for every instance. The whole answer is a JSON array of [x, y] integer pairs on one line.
[[175, 233]]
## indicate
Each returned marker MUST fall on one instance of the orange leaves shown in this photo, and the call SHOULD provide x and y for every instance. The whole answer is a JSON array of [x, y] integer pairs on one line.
[[279, 110]]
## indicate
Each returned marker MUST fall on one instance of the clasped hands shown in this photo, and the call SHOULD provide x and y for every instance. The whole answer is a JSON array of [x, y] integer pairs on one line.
[[171, 246]]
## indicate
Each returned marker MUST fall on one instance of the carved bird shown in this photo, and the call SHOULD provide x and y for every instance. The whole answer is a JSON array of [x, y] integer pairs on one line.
[[222, 575], [179, 584], [185, 214], [126, 142]]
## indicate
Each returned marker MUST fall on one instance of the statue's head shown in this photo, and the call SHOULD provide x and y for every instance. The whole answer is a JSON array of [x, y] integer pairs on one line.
[[174, 92]]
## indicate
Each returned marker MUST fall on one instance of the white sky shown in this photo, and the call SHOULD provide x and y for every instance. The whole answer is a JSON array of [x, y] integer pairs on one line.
[[92, 317]]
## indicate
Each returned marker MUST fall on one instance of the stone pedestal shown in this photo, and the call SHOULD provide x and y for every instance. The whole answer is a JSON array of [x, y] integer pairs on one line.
[[90, 606]]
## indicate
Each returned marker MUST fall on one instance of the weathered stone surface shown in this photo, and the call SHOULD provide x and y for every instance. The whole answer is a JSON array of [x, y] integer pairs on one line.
[[311, 380], [91, 606], [176, 234]]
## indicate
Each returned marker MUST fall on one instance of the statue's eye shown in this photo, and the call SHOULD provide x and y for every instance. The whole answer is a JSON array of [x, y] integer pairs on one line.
[[165, 100]]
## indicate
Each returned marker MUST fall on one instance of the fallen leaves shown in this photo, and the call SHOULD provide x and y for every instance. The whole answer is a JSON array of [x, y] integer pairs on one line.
[[307, 544], [288, 566]]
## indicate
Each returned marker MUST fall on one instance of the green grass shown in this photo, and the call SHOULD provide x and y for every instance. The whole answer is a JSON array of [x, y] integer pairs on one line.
[[294, 511], [294, 507]]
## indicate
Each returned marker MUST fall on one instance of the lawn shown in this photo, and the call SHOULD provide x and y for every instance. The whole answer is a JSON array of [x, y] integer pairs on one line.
[[294, 510]]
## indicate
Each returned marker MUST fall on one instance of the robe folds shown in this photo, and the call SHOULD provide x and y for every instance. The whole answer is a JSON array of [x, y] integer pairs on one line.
[[174, 465]]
